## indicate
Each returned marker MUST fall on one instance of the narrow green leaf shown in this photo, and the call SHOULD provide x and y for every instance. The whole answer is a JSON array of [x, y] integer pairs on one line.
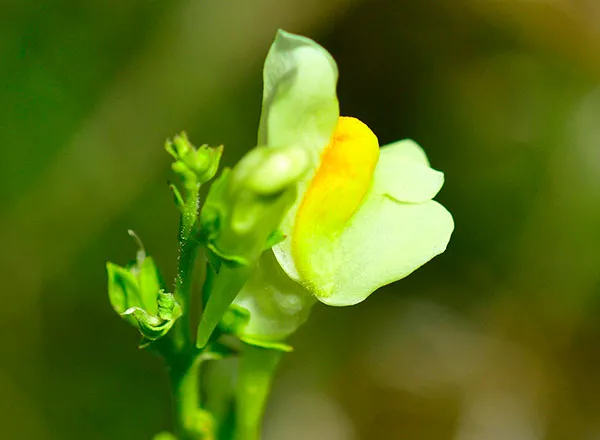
[[226, 286], [178, 198]]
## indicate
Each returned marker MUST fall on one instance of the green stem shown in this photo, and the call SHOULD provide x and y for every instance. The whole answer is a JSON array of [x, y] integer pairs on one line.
[[188, 249], [185, 383], [191, 422], [257, 369]]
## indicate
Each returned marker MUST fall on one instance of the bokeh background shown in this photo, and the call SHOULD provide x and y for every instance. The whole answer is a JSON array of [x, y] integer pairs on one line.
[[497, 339]]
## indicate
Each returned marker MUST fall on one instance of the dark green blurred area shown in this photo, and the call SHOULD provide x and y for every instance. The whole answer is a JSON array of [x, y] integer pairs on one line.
[[497, 339]]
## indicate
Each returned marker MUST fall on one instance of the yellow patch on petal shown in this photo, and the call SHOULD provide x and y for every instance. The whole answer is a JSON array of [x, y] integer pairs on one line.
[[333, 196]]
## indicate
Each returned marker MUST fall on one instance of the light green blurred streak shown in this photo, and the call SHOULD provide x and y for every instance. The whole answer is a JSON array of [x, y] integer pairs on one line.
[[203, 49]]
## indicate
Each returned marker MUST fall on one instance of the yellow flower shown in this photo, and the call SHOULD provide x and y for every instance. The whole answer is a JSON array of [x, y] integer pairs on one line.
[[363, 217]]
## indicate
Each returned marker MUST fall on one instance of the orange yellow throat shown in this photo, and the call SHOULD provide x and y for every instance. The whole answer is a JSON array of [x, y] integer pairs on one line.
[[334, 195]]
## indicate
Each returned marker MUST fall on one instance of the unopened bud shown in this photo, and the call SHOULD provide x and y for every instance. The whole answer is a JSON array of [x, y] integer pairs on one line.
[[246, 205], [280, 168], [153, 327], [194, 165]]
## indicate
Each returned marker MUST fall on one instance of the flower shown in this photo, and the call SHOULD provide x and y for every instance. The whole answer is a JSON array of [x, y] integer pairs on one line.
[[363, 216]]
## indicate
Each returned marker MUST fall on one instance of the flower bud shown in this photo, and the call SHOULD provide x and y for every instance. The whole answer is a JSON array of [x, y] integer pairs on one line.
[[153, 327], [194, 165], [243, 210], [246, 205]]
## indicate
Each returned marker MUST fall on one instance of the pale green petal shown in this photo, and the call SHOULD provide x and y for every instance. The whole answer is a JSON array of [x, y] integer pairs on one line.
[[300, 105], [385, 241], [277, 304], [408, 149], [404, 173]]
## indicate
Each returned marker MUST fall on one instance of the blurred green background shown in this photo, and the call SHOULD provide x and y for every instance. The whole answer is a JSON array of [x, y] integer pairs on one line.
[[497, 339]]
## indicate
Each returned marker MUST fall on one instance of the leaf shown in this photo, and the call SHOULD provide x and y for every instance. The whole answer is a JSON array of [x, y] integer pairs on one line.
[[226, 286], [123, 290], [150, 282], [177, 197]]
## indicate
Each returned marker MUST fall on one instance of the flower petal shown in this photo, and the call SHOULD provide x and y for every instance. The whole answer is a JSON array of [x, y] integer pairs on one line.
[[384, 242], [336, 192], [300, 105], [404, 174], [277, 305], [408, 149]]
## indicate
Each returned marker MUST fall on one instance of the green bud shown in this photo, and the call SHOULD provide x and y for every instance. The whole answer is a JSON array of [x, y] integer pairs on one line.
[[279, 168], [168, 308], [245, 206], [240, 218], [194, 165], [153, 327]]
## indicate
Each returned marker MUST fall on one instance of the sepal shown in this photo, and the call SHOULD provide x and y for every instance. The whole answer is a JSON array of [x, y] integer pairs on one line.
[[269, 345], [235, 321]]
